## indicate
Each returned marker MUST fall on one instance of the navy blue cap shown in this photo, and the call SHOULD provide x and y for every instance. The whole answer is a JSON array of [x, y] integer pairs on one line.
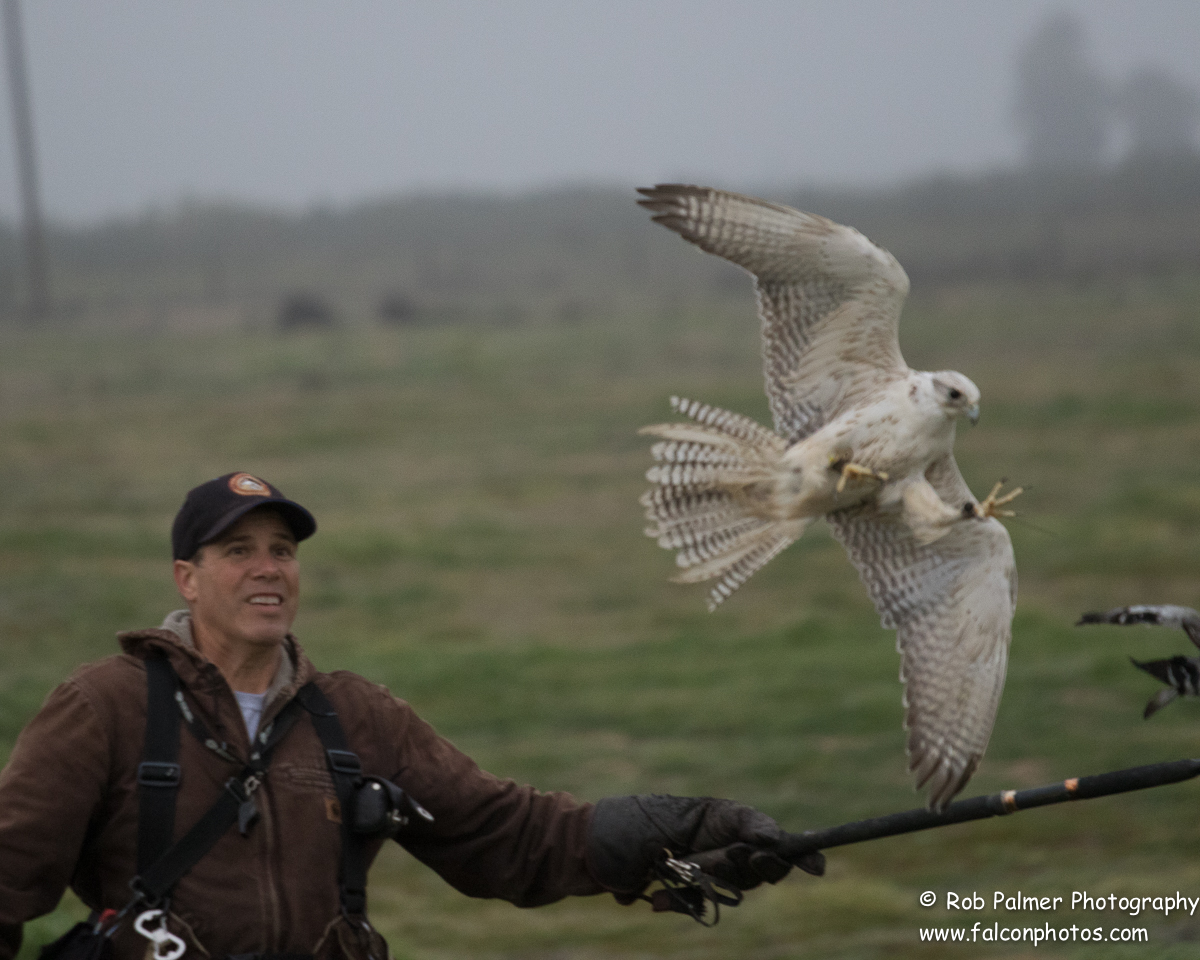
[[212, 508]]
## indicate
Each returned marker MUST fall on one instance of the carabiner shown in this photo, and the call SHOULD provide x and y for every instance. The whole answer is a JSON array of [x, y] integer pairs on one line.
[[167, 946]]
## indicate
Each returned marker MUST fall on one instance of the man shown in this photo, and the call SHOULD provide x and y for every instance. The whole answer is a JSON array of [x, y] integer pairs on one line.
[[281, 880]]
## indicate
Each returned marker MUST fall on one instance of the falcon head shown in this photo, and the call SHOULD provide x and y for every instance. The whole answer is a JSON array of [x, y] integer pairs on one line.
[[957, 395]]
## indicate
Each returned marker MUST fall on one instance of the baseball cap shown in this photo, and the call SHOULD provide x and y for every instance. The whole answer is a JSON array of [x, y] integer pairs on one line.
[[213, 507]]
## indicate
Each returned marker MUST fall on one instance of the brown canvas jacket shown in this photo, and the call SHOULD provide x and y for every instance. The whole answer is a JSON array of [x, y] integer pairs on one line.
[[68, 810]]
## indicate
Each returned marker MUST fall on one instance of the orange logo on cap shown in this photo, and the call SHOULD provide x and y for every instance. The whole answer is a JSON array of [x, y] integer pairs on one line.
[[248, 486]]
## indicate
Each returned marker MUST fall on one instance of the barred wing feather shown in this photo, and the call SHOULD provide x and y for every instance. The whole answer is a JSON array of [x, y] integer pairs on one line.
[[951, 603], [829, 299]]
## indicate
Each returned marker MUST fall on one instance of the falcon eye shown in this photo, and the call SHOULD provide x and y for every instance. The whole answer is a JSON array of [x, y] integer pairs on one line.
[[955, 394]]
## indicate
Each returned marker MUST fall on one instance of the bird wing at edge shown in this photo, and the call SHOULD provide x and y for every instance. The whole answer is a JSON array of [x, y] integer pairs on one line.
[[951, 603]]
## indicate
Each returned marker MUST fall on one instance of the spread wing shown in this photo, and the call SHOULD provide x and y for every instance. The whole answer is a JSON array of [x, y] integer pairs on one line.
[[829, 298], [951, 603], [1161, 615], [1181, 674]]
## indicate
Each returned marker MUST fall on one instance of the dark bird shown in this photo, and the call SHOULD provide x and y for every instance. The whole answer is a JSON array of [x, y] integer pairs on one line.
[[1181, 674]]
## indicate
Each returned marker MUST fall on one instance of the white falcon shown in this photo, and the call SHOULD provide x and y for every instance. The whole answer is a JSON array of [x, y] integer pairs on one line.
[[860, 439]]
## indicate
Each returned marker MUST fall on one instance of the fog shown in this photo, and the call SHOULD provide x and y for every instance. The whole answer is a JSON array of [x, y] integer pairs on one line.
[[291, 104]]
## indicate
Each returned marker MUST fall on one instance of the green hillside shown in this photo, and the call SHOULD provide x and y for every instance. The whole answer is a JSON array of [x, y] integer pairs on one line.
[[481, 553], [584, 254]]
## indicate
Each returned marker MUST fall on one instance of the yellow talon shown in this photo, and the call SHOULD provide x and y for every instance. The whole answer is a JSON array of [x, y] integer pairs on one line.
[[991, 504], [849, 470]]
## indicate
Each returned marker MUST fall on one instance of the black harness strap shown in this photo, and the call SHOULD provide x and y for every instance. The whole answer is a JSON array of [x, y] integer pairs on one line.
[[159, 773], [346, 771], [160, 863], [156, 881]]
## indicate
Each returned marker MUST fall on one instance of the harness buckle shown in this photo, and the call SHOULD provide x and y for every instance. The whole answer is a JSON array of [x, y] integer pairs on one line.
[[344, 761], [243, 790], [153, 774]]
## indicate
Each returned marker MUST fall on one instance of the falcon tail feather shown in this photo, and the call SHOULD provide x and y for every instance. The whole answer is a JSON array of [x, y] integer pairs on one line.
[[714, 478]]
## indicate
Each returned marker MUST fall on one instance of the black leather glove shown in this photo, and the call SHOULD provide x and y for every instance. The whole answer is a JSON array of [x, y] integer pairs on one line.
[[727, 840]]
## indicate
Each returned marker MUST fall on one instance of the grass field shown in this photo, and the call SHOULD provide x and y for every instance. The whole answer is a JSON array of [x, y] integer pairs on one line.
[[481, 553]]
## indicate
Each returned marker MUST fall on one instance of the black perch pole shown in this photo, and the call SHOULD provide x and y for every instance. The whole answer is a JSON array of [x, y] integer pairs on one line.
[[796, 845]]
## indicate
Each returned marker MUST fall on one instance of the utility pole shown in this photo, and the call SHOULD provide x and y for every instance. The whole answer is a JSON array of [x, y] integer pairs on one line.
[[35, 242]]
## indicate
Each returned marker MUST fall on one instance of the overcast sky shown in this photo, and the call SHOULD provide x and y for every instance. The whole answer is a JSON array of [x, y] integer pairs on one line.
[[295, 102]]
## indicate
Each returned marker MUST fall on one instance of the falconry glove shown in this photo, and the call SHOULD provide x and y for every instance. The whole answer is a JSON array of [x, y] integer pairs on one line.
[[632, 837]]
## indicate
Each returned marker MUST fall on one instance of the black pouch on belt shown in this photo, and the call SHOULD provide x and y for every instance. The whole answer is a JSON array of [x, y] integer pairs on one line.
[[84, 941]]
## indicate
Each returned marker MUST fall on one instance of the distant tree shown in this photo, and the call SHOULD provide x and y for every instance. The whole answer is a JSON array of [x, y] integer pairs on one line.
[[397, 309], [1161, 114], [1063, 107], [299, 310]]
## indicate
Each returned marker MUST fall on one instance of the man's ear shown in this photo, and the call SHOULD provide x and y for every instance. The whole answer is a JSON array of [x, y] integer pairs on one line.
[[185, 579]]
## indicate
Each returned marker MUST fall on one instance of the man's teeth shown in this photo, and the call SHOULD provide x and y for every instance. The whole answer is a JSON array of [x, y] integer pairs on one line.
[[273, 601]]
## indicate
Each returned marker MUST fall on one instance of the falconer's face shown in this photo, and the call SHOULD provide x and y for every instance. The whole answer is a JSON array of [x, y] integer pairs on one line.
[[243, 588]]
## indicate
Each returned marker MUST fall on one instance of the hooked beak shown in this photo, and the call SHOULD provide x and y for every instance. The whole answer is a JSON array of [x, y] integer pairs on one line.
[[973, 413]]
